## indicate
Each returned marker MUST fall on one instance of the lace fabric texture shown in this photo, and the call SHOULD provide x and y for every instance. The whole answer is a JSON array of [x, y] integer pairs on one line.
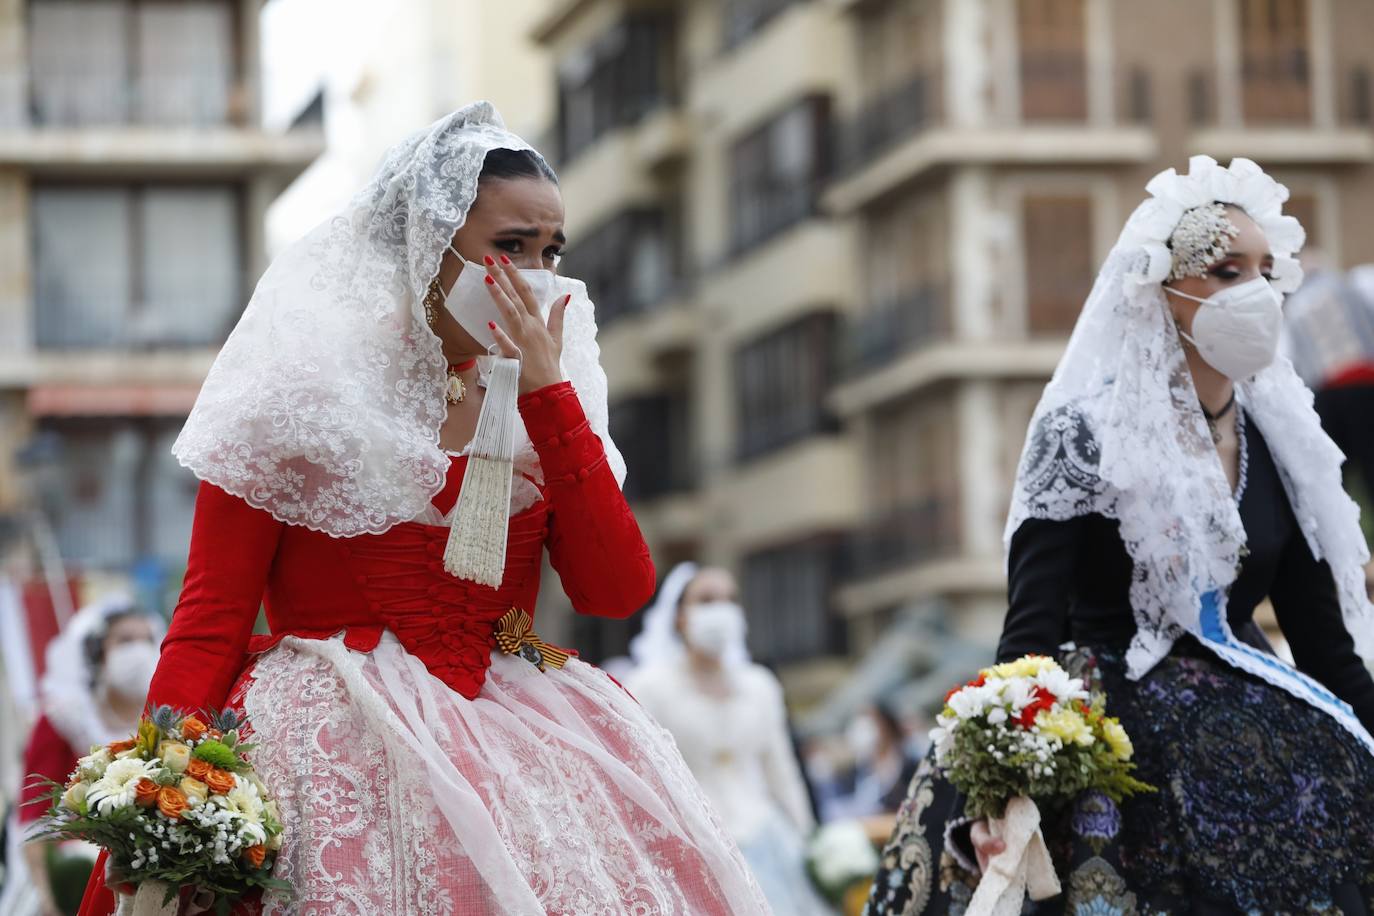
[[1119, 431], [324, 405], [552, 792]]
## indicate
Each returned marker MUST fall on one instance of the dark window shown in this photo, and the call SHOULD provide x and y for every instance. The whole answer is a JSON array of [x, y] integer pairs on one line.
[[1275, 73], [124, 497], [136, 266], [1059, 261], [783, 380], [787, 595], [777, 172], [743, 18], [1054, 76], [135, 61], [630, 263], [653, 432], [617, 79]]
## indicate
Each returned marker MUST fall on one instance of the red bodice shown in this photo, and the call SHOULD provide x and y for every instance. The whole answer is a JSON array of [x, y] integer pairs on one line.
[[317, 586]]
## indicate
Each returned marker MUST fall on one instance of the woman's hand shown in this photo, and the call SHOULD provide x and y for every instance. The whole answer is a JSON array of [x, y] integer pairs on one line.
[[526, 337], [985, 845]]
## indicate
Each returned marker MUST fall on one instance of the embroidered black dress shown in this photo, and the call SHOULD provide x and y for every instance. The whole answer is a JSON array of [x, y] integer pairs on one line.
[[1265, 804]]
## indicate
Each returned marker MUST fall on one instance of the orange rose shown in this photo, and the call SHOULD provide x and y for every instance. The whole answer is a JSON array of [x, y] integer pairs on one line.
[[221, 782], [119, 747], [172, 802], [146, 793], [216, 734], [192, 729], [255, 855], [198, 769]]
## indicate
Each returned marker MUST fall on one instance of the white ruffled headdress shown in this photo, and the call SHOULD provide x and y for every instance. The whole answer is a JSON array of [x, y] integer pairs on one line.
[[1119, 432], [324, 406], [658, 642]]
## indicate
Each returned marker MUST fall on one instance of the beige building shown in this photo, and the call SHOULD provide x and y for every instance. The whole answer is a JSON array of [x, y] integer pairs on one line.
[[838, 246], [134, 178]]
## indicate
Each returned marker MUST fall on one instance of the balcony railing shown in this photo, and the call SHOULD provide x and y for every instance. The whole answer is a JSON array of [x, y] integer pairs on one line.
[[1281, 98], [896, 328], [891, 117], [913, 534]]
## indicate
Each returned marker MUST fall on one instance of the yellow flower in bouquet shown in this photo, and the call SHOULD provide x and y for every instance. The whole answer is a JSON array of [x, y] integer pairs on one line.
[[1117, 739], [1066, 725]]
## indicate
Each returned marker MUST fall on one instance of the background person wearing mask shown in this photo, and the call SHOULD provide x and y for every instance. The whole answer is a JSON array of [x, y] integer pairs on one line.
[[727, 714], [96, 679], [882, 766]]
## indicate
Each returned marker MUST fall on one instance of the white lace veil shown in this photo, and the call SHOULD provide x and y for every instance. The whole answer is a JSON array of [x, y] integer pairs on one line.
[[1119, 432], [324, 405], [659, 642]]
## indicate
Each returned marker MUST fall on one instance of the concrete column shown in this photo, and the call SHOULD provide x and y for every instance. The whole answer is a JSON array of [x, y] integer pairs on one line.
[[966, 61], [13, 64], [1101, 65], [980, 445], [971, 283], [16, 265], [1323, 63], [1228, 95]]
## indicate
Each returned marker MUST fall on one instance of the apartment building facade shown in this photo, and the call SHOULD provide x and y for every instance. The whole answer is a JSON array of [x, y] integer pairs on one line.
[[134, 178], [838, 247]]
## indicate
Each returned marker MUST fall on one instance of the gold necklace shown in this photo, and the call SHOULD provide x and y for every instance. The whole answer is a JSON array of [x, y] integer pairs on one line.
[[456, 390]]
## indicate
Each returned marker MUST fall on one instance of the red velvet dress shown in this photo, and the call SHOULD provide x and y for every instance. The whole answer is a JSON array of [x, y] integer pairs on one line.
[[419, 768]]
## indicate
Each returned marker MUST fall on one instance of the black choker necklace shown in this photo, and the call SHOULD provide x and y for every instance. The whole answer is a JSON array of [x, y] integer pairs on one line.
[[1212, 418]]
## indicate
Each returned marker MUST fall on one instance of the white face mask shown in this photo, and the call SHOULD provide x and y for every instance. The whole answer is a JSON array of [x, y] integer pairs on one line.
[[713, 627], [862, 738], [129, 667], [1237, 330], [470, 303]]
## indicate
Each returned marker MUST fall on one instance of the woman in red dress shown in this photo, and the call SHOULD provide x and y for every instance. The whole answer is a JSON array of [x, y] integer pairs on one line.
[[430, 754]]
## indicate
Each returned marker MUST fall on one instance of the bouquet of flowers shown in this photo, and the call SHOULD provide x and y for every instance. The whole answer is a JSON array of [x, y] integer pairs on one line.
[[842, 861], [1022, 732], [177, 806]]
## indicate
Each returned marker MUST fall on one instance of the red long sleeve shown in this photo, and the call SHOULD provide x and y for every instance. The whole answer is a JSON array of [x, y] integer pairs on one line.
[[47, 756], [232, 546], [594, 542]]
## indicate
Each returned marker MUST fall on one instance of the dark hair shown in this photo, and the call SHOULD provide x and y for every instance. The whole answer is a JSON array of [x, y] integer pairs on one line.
[[505, 164], [886, 715], [95, 640]]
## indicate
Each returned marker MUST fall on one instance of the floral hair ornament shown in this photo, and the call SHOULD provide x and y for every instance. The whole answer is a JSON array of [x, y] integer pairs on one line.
[[1189, 204]]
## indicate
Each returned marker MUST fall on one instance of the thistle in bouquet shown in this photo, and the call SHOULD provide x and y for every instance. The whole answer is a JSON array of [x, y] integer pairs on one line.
[[177, 806], [1021, 734]]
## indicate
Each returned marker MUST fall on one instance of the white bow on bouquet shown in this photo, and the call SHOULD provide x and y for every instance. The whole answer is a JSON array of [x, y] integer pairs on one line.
[[1023, 867], [1027, 730]]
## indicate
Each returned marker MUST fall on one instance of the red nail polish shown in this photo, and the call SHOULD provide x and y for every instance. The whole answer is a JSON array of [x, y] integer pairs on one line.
[[505, 260], [486, 259], [567, 298], [491, 281], [492, 325]]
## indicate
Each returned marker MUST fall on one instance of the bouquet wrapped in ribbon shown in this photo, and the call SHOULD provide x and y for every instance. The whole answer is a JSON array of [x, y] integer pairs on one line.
[[180, 811], [1020, 733]]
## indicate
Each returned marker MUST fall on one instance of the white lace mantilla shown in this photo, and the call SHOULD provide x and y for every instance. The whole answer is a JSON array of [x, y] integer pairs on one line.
[[324, 405], [1119, 431]]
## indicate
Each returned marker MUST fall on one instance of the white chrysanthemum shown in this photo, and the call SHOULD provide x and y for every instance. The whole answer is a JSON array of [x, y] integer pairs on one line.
[[246, 805], [92, 766], [116, 788]]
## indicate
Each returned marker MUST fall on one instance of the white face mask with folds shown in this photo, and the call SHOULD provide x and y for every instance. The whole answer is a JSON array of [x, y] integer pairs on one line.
[[712, 628], [128, 669], [1237, 329], [471, 305]]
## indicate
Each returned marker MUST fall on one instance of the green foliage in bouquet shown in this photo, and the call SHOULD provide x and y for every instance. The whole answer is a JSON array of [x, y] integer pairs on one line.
[[177, 803]]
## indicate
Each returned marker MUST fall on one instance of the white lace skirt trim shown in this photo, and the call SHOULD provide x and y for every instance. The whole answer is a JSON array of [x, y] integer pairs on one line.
[[551, 792]]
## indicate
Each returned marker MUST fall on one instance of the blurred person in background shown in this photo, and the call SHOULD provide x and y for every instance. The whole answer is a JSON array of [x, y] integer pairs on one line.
[[1174, 475], [882, 764], [727, 714], [409, 413], [1329, 325], [93, 690]]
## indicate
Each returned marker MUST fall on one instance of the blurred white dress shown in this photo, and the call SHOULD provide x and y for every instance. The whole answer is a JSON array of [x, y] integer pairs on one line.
[[739, 750]]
